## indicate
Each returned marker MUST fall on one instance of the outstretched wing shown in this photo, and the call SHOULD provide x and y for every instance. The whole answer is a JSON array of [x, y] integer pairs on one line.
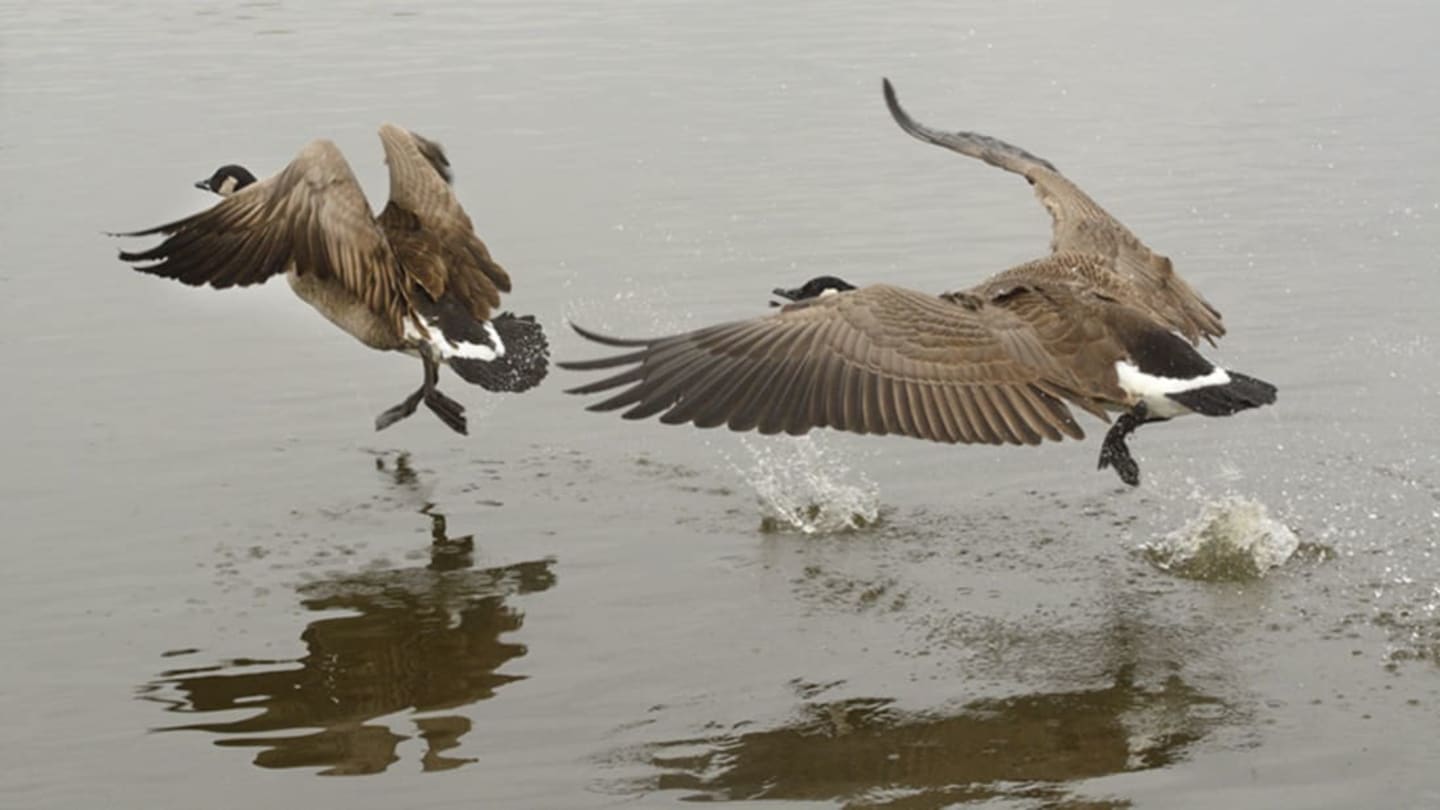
[[431, 234], [312, 214], [1080, 225], [876, 360]]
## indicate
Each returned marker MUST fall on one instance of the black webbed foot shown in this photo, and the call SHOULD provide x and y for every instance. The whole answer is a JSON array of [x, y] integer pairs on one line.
[[1115, 453], [450, 412], [404, 409]]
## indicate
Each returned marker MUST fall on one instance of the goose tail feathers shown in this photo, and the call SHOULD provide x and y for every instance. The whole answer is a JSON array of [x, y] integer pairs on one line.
[[1240, 393], [519, 355]]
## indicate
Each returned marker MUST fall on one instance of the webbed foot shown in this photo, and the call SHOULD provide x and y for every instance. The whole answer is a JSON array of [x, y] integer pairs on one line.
[[450, 412], [404, 409], [1114, 453]]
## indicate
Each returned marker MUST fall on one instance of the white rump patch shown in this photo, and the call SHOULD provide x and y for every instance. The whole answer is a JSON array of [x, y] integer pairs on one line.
[[430, 333], [1152, 389], [495, 338]]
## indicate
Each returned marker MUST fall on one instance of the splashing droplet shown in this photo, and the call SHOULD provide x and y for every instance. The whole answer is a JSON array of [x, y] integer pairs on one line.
[[803, 485], [1231, 539]]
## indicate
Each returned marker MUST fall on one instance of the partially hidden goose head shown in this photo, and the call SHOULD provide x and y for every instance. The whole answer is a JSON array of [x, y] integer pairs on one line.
[[1102, 324], [814, 288], [227, 180], [415, 279]]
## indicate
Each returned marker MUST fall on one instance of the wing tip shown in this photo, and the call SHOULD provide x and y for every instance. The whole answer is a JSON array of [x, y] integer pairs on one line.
[[897, 112], [605, 340], [430, 150]]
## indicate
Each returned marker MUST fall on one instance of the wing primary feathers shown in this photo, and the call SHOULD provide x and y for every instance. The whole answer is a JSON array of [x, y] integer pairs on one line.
[[606, 340], [601, 362], [879, 360], [1081, 228], [991, 150], [435, 154], [628, 376]]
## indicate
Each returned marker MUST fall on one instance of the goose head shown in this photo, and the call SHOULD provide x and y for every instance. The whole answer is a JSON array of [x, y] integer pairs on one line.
[[814, 288], [227, 180]]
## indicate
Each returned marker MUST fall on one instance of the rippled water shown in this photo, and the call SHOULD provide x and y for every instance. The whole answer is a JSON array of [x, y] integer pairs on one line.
[[219, 584]]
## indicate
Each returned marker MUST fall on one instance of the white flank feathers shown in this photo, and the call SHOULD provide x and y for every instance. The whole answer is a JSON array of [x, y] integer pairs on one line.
[[417, 334]]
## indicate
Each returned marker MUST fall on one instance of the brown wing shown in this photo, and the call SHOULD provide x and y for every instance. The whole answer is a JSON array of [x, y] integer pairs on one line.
[[1077, 271], [312, 213], [431, 234], [1082, 226], [876, 360]]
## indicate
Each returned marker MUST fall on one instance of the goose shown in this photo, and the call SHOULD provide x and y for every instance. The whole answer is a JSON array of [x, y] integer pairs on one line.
[[416, 279], [1102, 324]]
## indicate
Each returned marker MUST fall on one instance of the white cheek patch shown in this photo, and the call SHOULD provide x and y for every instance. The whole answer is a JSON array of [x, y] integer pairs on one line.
[[1152, 389]]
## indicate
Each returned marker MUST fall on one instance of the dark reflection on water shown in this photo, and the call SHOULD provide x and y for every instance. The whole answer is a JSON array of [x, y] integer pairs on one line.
[[1139, 712], [866, 752], [426, 638]]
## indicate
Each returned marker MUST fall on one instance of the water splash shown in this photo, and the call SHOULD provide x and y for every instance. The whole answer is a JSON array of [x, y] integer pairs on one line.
[[1232, 539], [803, 485]]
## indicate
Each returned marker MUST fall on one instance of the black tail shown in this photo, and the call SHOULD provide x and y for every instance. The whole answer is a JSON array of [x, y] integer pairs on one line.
[[1241, 393], [523, 365]]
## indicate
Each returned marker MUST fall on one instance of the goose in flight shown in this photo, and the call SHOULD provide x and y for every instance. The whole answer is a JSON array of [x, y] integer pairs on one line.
[[415, 279], [1101, 324]]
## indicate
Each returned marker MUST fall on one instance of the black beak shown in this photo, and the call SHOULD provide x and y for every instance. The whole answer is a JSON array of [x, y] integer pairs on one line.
[[203, 185], [788, 295]]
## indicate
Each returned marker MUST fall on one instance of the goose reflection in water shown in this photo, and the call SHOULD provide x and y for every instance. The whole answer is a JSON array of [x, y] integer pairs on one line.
[[1139, 712], [867, 752], [425, 638]]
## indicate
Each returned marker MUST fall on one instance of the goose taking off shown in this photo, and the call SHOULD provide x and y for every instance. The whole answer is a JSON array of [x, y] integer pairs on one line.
[[416, 279], [1098, 324]]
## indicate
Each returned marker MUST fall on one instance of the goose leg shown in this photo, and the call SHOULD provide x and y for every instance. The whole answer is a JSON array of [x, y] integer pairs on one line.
[[1114, 453], [450, 412]]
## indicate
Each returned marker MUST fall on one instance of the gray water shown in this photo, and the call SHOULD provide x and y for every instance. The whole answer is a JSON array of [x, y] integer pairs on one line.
[[218, 583]]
